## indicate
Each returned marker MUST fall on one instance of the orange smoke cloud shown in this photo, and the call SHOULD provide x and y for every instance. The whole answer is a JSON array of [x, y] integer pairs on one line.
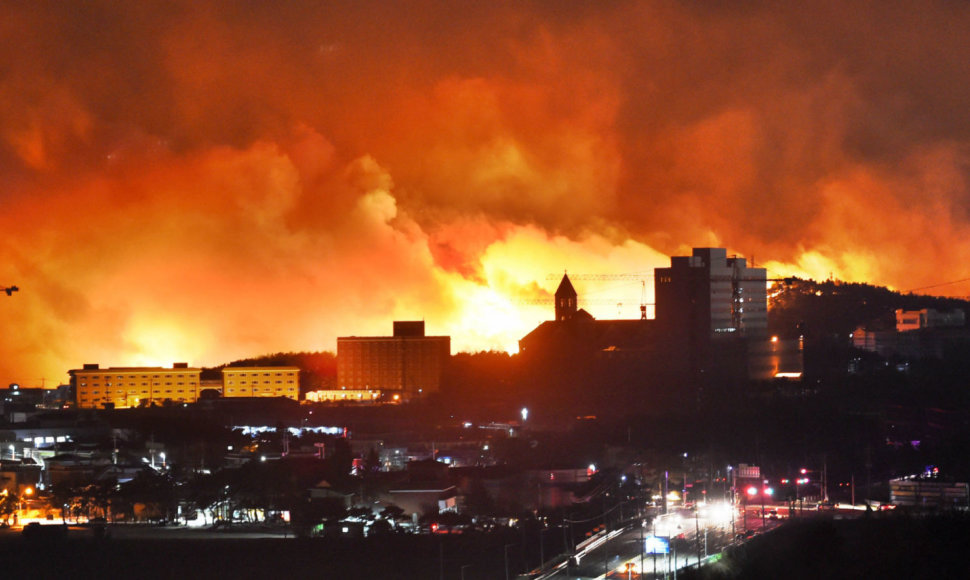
[[203, 181]]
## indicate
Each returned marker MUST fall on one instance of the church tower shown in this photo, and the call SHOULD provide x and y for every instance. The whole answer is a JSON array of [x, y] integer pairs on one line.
[[565, 300]]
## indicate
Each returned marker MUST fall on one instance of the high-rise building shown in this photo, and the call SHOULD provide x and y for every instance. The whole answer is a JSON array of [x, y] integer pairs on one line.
[[408, 364], [710, 295], [716, 307]]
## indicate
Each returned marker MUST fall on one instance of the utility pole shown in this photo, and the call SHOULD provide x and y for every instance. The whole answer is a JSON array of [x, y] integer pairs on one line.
[[606, 535], [507, 560], [673, 548], [697, 538], [542, 551], [734, 506], [666, 482], [643, 524], [825, 480]]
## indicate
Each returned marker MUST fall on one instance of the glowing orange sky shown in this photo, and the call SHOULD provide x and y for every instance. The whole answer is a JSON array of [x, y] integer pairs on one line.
[[204, 181]]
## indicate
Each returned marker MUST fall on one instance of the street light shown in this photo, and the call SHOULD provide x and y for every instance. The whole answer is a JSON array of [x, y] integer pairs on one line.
[[765, 490], [800, 482], [734, 505], [28, 491]]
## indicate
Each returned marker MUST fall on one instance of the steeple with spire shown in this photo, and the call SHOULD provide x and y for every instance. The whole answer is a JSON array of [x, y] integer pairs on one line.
[[566, 299]]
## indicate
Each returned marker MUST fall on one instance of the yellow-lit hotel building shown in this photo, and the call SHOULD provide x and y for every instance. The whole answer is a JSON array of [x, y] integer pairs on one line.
[[129, 387], [261, 382]]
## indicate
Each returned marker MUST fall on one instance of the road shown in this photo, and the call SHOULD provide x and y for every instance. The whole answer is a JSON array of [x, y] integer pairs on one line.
[[622, 553]]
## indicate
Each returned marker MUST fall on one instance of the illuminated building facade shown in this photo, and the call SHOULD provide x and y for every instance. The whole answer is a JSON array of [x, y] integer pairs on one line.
[[343, 396], [908, 320], [124, 387], [261, 382], [129, 387], [408, 364], [919, 334]]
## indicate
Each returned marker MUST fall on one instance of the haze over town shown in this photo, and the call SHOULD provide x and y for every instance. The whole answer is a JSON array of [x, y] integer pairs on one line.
[[207, 181]]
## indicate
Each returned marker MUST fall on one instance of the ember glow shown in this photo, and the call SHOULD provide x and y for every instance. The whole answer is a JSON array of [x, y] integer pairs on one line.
[[203, 181]]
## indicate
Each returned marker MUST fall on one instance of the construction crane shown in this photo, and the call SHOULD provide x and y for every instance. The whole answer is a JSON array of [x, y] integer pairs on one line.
[[10, 290]]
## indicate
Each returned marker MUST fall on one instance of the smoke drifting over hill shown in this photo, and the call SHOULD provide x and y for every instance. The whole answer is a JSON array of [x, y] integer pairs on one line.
[[205, 181]]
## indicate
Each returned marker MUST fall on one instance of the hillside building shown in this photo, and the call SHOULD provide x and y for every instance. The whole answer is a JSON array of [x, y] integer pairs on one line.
[[909, 320]]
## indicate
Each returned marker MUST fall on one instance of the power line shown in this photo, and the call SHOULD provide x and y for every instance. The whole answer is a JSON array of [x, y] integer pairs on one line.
[[937, 285]]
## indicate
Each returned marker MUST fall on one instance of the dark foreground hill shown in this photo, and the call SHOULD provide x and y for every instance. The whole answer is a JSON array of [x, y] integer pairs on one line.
[[898, 546], [875, 547], [81, 555]]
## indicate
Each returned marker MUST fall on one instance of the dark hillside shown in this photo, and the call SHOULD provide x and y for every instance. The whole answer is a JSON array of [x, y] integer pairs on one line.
[[833, 308]]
